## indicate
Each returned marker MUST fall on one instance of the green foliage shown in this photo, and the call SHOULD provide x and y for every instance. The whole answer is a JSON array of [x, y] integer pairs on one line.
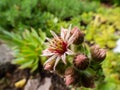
[[62, 8], [113, 18], [68, 8], [19, 15], [100, 28], [115, 2], [16, 12], [107, 27], [111, 69], [96, 30], [28, 47]]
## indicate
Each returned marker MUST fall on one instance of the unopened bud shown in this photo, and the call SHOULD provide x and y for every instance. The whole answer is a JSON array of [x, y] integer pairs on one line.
[[69, 80], [70, 76], [49, 65], [81, 61], [97, 53], [70, 71], [79, 36]]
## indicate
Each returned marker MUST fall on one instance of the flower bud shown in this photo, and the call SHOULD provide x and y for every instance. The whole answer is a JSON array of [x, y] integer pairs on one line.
[[79, 37], [69, 80], [70, 76], [87, 81], [98, 54], [49, 65], [81, 61], [70, 71]]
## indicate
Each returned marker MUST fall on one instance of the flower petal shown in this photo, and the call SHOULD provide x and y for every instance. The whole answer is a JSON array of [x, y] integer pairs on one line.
[[68, 33], [49, 40], [72, 38], [51, 58], [56, 62], [54, 34], [46, 52], [64, 58], [63, 33], [69, 52]]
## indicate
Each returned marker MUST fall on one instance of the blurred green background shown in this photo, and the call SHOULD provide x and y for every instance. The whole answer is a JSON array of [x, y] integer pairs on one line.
[[24, 24]]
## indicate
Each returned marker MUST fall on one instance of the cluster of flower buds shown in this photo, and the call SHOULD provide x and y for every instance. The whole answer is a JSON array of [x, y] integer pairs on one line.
[[73, 77], [60, 47]]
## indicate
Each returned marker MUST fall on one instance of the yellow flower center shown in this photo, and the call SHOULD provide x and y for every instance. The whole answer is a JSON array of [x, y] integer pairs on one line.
[[57, 45]]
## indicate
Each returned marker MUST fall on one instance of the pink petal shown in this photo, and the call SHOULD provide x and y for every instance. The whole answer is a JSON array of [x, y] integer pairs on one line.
[[68, 33], [64, 58], [47, 67], [72, 38], [69, 52], [51, 58], [48, 39], [63, 33], [56, 62], [46, 52], [54, 34], [69, 80]]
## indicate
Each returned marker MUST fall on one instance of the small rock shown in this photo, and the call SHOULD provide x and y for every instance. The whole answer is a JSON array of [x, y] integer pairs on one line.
[[35, 84], [6, 54], [32, 84], [46, 85]]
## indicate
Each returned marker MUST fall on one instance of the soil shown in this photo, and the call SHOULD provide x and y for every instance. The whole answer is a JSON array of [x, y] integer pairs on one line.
[[12, 75]]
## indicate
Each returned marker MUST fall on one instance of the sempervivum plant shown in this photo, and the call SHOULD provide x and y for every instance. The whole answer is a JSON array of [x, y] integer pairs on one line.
[[28, 53], [70, 49], [27, 46]]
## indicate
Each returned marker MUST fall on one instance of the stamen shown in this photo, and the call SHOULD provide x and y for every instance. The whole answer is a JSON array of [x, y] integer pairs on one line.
[[58, 46]]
